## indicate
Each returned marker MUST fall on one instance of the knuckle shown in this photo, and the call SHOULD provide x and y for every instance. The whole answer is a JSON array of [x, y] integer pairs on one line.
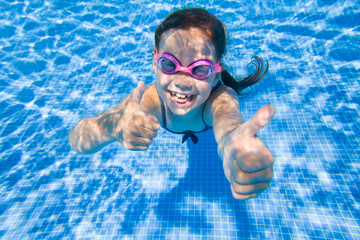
[[127, 136], [129, 125], [249, 159], [241, 178], [128, 145], [268, 157], [137, 120], [147, 141]]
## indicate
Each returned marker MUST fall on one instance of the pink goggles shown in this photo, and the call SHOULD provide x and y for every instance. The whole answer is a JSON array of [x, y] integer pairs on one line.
[[200, 69]]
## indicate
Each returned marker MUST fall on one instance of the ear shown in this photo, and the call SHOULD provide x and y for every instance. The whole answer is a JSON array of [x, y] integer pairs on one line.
[[218, 75], [154, 67], [154, 64]]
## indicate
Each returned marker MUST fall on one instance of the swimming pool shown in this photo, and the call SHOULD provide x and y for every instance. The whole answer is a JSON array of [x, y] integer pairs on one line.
[[65, 60]]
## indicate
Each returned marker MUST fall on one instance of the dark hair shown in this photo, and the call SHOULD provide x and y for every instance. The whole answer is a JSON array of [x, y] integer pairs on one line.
[[216, 31]]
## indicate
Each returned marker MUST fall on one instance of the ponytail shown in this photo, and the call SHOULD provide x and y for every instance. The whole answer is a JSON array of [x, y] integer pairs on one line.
[[240, 84]]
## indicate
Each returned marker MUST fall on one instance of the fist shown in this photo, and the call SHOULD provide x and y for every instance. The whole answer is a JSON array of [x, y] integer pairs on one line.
[[247, 162], [134, 128]]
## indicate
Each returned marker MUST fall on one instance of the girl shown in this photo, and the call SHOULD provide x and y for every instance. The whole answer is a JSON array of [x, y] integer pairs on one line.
[[192, 93]]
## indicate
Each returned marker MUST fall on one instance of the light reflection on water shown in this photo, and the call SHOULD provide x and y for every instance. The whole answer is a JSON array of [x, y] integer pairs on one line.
[[62, 61]]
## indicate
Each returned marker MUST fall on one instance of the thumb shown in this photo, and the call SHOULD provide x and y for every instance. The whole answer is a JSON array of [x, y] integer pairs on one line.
[[261, 118], [138, 92]]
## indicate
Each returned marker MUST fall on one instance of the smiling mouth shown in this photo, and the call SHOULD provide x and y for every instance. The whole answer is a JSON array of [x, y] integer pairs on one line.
[[180, 99]]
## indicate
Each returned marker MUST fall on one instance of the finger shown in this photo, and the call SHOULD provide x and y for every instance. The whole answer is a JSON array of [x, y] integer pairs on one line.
[[254, 161], [249, 188], [146, 133], [242, 177], [242, 196], [142, 119], [138, 93], [261, 118], [151, 122], [140, 141], [136, 148]]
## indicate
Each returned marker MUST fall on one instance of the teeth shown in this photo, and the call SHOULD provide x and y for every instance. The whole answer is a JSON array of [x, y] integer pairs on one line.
[[179, 95]]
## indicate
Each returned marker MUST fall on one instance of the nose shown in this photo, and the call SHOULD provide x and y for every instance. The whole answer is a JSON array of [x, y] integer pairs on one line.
[[183, 81]]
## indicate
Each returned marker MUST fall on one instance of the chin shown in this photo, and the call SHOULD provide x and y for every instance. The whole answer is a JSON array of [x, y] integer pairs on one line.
[[179, 111]]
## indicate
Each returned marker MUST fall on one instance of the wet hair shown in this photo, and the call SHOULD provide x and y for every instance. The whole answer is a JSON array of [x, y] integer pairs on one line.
[[215, 30]]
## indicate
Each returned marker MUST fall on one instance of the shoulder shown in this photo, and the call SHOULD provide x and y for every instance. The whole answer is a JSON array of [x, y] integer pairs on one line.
[[222, 92], [223, 99]]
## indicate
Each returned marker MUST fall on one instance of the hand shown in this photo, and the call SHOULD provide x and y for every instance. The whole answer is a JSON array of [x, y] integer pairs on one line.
[[135, 129], [247, 162]]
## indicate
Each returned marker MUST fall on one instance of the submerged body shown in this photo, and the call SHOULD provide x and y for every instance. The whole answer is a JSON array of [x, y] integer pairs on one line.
[[187, 97]]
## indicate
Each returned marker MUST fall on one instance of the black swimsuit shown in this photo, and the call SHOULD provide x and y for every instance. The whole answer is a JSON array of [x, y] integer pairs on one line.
[[189, 133]]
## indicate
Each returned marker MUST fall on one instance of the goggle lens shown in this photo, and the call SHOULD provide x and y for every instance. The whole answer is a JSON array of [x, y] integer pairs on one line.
[[167, 65], [200, 69]]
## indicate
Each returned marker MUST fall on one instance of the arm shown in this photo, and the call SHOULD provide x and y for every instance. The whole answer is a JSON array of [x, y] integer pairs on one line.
[[126, 123], [224, 112], [247, 162], [91, 134]]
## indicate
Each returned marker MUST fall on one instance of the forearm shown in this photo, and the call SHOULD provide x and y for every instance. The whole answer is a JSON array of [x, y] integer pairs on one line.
[[93, 133], [88, 136], [223, 127], [224, 124], [226, 114]]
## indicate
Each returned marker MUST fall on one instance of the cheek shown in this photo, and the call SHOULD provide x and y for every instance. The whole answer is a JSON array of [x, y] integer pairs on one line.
[[205, 89], [162, 80], [210, 83]]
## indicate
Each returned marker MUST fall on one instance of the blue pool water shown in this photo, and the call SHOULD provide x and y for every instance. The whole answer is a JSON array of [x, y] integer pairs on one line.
[[61, 61]]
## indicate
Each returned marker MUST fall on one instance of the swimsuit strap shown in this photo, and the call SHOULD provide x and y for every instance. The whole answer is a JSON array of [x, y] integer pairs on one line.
[[163, 113], [186, 135], [207, 127]]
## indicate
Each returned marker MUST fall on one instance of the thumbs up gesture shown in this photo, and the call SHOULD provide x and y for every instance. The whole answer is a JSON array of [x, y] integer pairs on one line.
[[134, 128], [247, 162]]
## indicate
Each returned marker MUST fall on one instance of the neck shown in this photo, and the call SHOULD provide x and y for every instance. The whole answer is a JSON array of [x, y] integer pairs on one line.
[[188, 117], [193, 114], [179, 120]]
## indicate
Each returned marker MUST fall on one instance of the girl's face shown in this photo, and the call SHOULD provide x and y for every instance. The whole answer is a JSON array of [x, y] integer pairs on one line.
[[180, 91]]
